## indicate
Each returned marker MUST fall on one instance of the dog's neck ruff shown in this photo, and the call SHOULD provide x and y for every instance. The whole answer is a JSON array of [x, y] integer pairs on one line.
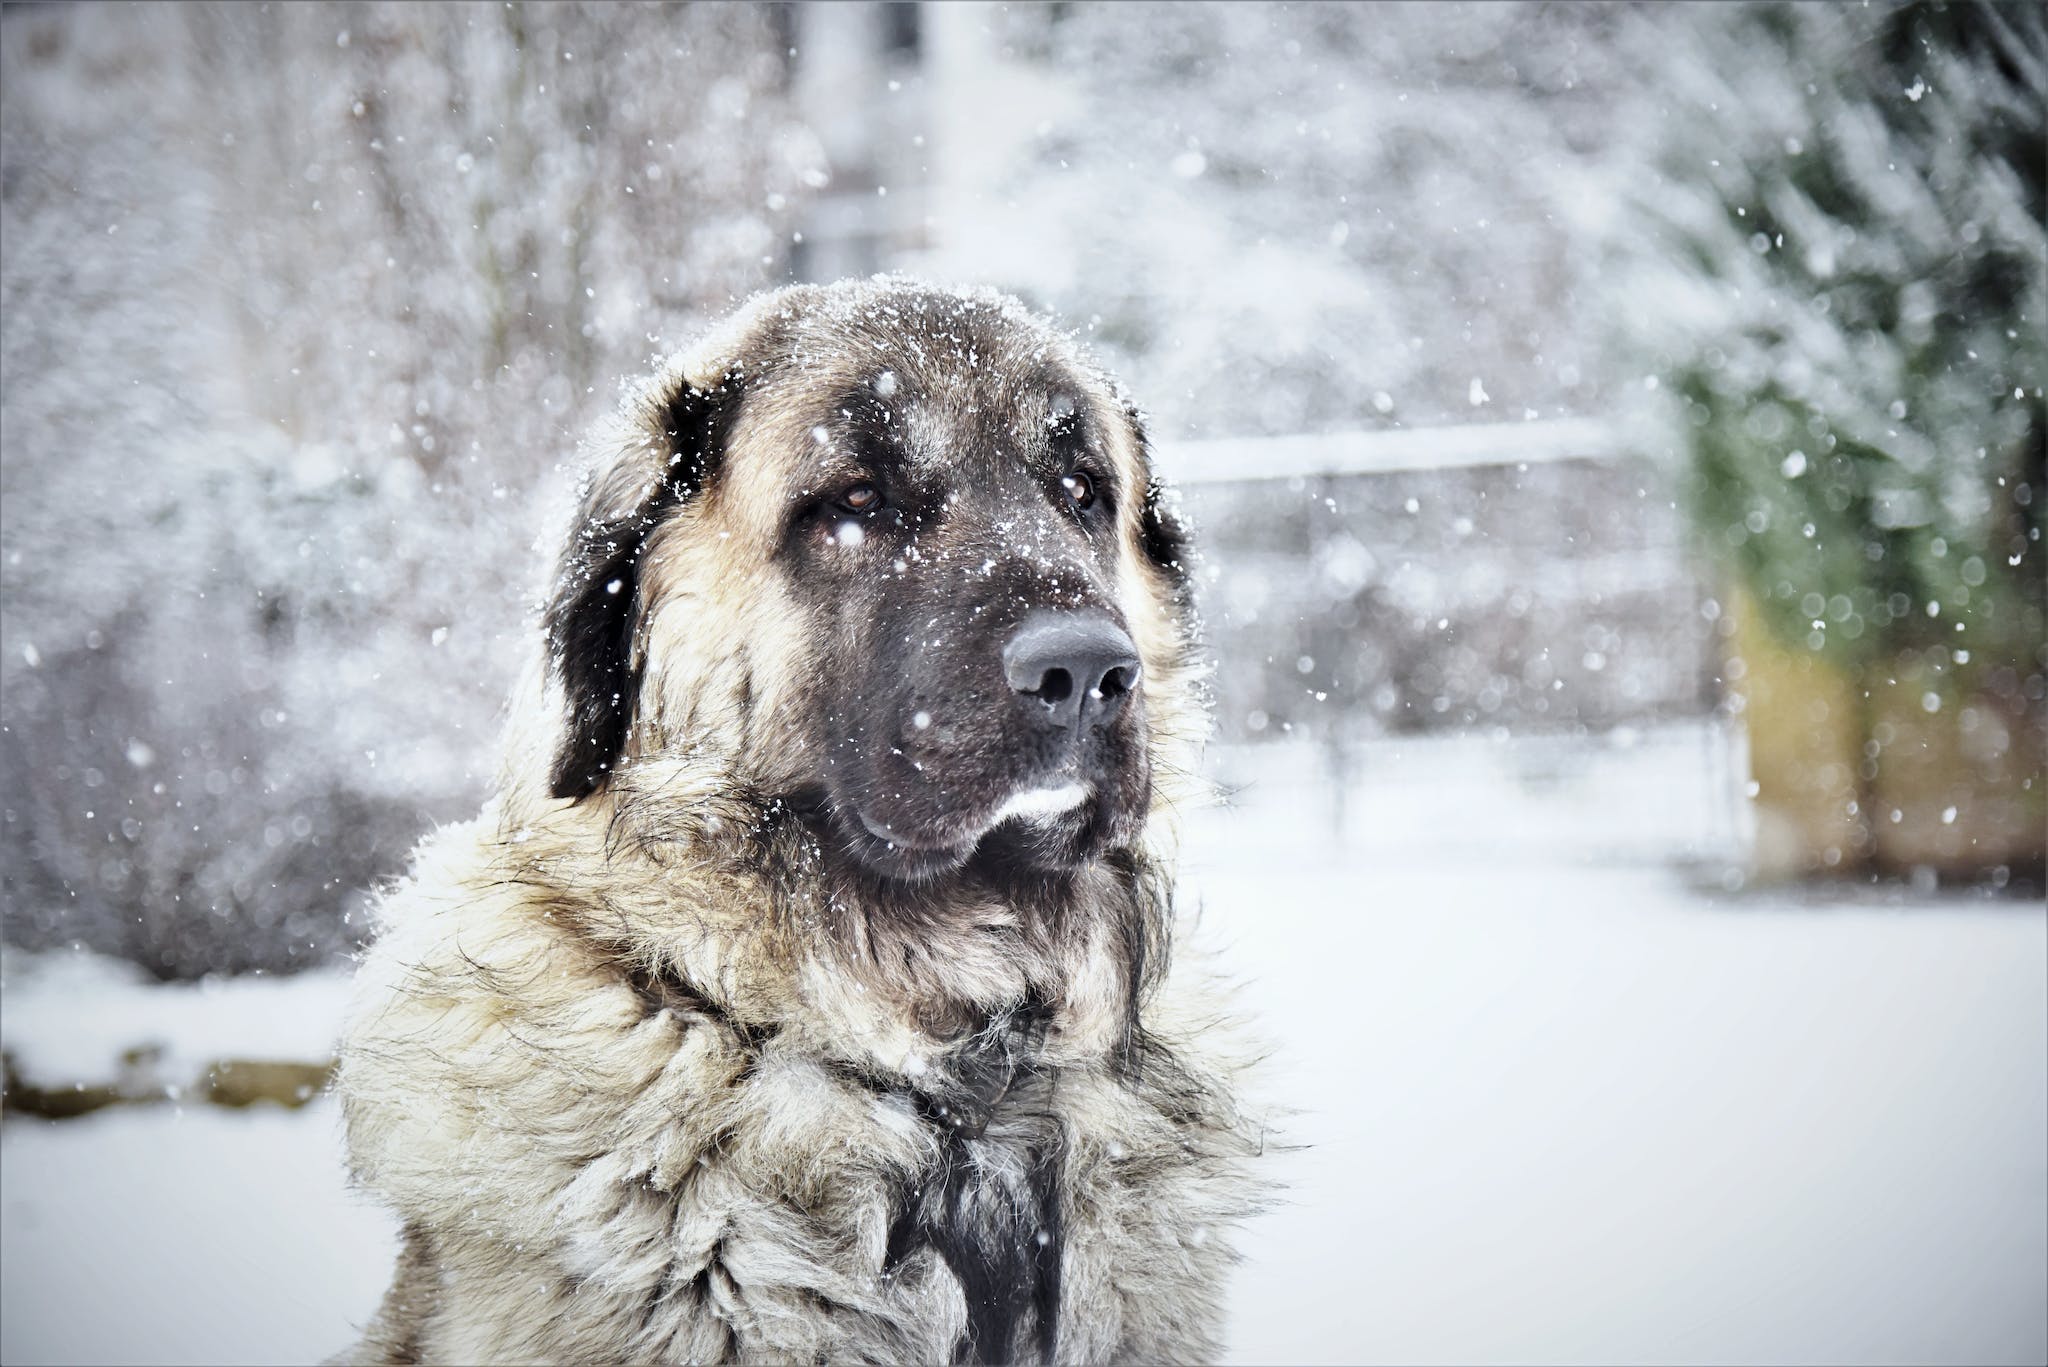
[[902, 971]]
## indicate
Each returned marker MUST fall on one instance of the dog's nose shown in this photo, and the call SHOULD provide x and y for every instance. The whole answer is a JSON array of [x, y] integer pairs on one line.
[[1079, 665]]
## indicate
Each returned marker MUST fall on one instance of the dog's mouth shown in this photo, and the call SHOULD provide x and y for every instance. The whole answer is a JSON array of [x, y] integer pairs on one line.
[[1042, 818], [1040, 803]]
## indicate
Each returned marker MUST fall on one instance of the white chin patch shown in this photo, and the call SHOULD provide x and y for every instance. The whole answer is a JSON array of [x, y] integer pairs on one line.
[[1035, 804]]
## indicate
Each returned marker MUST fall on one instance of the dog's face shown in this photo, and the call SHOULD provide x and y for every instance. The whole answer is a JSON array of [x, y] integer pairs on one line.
[[894, 556]]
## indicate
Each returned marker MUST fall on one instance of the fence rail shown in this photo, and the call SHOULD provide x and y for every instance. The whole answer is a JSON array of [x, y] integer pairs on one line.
[[1309, 455]]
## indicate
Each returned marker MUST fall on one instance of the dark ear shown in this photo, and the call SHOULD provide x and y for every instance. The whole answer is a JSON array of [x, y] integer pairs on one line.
[[1162, 533], [594, 610]]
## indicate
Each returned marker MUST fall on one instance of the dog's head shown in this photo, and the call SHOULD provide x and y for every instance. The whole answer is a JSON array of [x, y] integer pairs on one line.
[[894, 556]]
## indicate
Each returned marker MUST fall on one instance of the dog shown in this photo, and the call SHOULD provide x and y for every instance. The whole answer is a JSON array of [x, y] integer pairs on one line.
[[802, 993]]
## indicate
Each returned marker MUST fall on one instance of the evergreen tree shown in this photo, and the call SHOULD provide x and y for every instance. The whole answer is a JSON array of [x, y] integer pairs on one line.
[[1849, 309]]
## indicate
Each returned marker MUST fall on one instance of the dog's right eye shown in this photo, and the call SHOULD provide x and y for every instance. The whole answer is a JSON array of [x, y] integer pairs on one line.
[[861, 498]]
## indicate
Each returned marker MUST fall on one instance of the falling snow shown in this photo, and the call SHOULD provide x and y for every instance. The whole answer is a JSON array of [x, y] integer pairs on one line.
[[1541, 413]]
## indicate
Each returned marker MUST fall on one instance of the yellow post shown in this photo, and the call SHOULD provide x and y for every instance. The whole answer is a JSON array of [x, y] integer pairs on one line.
[[1804, 719]]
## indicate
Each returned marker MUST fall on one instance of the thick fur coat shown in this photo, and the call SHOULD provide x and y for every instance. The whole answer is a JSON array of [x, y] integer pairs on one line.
[[718, 1038]]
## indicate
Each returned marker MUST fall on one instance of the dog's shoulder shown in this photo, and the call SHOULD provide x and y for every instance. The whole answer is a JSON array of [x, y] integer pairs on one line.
[[592, 1145], [490, 1039]]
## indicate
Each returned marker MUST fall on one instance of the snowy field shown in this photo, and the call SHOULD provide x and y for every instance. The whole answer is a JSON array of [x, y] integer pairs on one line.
[[1561, 1104], [1565, 1107]]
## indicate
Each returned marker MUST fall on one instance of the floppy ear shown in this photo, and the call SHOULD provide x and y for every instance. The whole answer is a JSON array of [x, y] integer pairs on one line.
[[1162, 533], [594, 610]]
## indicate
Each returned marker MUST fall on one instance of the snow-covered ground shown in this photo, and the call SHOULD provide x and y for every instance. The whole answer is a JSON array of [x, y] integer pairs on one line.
[[188, 1235], [1561, 1105], [176, 1233], [1564, 1106], [69, 1017]]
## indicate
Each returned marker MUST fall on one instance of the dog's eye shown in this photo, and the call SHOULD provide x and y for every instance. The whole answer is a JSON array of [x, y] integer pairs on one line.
[[861, 498], [1080, 490]]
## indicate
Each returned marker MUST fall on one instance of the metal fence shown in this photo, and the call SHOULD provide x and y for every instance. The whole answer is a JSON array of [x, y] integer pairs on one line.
[[1532, 576]]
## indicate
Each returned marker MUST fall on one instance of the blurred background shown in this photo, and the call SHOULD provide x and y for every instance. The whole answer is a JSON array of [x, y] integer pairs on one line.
[[1615, 435]]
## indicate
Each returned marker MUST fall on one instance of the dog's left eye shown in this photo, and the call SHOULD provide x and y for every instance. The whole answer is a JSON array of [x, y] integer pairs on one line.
[[1080, 490], [861, 498]]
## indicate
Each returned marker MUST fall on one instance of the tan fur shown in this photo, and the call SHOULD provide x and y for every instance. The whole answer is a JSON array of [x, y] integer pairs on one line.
[[641, 1092]]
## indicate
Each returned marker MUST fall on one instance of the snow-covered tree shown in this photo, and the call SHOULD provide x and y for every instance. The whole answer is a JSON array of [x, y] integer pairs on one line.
[[1852, 201], [304, 308], [1281, 218]]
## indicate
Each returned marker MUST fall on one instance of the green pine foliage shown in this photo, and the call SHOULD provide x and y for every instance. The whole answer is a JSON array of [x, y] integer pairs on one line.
[[1850, 318]]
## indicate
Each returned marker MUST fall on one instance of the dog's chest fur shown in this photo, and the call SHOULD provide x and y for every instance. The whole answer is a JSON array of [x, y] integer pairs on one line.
[[593, 1163], [990, 1207]]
